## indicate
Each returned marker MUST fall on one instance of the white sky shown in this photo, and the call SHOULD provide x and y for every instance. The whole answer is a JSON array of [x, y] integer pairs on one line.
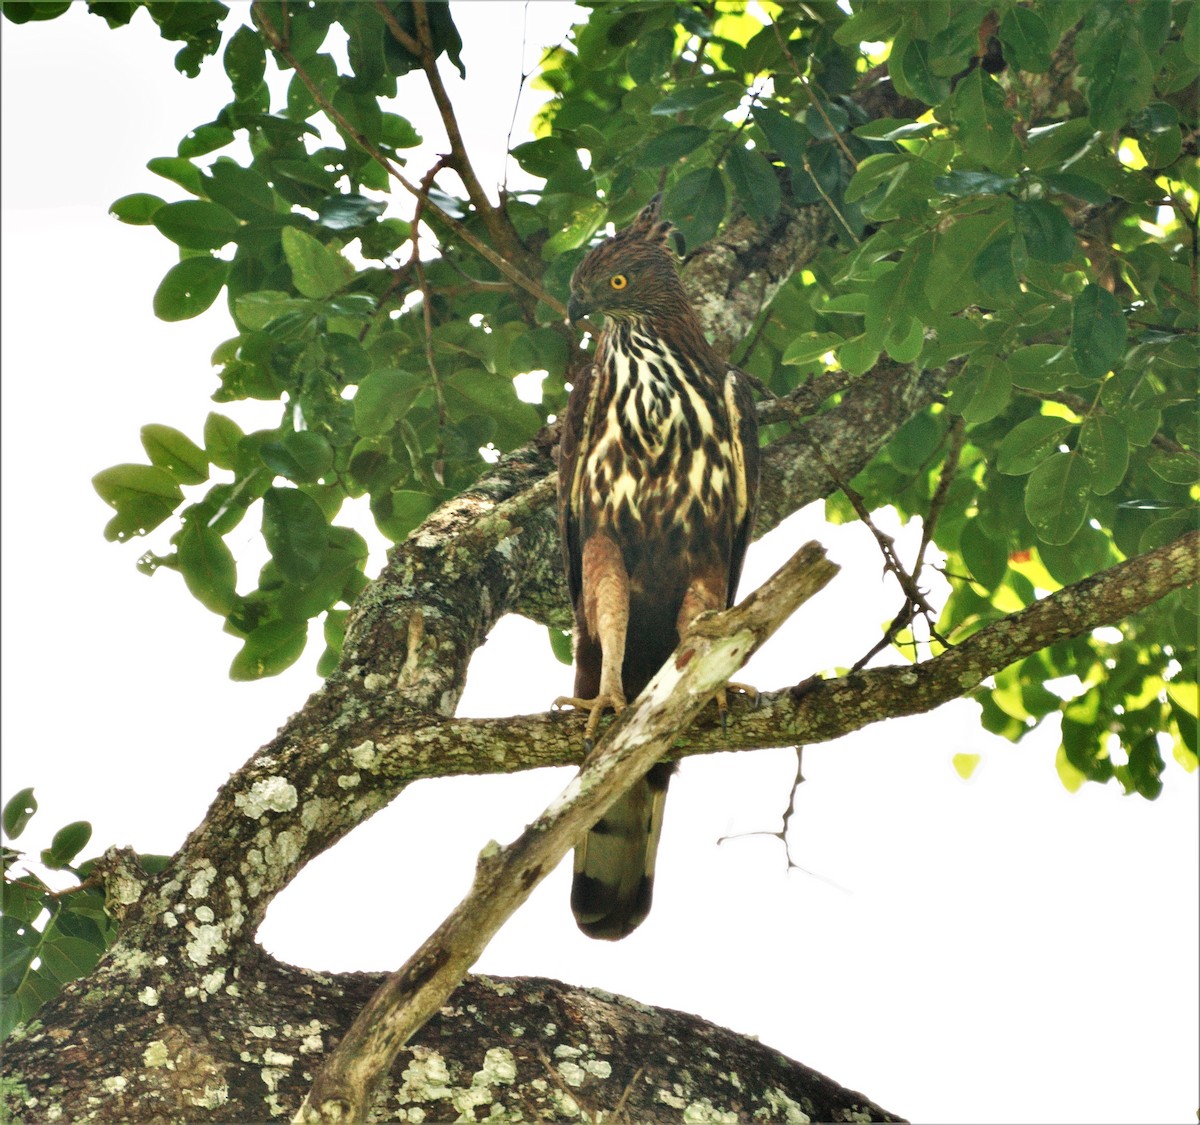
[[992, 950]]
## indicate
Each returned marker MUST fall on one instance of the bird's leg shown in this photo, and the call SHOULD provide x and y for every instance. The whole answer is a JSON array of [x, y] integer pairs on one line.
[[701, 596], [606, 614]]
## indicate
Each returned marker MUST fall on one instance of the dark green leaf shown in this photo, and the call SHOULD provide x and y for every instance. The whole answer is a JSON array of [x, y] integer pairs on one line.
[[137, 209], [560, 644], [383, 397], [755, 183], [196, 224], [269, 650], [207, 566], [176, 452], [958, 184], [179, 171], [68, 842], [18, 810], [189, 288], [349, 211], [1056, 496], [301, 456], [1098, 332], [785, 135], [696, 205], [1029, 443], [1176, 468], [406, 510], [296, 532], [985, 125], [1047, 233], [1026, 39], [243, 191], [245, 61], [1104, 443], [69, 958], [985, 558], [205, 139], [913, 73], [669, 146], [981, 391]]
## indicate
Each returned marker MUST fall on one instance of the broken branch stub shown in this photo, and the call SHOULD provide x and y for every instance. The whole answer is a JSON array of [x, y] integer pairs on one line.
[[712, 651]]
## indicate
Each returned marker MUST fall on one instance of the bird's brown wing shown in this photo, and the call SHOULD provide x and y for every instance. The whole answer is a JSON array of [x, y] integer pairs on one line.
[[574, 443], [743, 425]]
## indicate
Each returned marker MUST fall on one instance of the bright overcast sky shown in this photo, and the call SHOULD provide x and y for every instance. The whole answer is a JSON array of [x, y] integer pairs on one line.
[[992, 950]]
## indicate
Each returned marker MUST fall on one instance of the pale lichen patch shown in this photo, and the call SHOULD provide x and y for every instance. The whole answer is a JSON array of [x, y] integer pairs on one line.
[[149, 997], [201, 879], [263, 1031], [156, 1054], [365, 756], [374, 681], [780, 1108], [268, 794], [572, 1073], [116, 1084], [348, 780], [703, 1112], [207, 942]]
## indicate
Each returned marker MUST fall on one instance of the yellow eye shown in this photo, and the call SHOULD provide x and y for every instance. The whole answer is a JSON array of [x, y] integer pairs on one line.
[[618, 281]]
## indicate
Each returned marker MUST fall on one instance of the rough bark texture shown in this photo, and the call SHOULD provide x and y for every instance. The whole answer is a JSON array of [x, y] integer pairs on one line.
[[521, 1049]]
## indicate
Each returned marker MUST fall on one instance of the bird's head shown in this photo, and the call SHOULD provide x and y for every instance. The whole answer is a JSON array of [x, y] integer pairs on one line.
[[630, 275]]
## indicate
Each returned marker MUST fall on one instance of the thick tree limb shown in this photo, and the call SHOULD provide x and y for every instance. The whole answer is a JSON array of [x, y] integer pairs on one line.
[[711, 652]]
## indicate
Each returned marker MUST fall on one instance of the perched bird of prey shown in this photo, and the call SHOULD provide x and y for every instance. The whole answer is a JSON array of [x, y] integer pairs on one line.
[[657, 487]]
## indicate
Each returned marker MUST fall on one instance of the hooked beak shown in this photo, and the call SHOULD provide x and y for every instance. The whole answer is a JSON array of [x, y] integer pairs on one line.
[[576, 310]]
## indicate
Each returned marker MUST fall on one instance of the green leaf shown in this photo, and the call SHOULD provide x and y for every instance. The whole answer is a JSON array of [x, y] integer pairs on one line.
[[221, 438], [243, 191], [810, 346], [301, 456], [406, 510], [382, 398], [137, 209], [317, 271], [245, 61], [960, 184], [1047, 233], [1029, 443], [176, 452], [207, 566], [671, 145], [1056, 496], [196, 224], [985, 558], [560, 644], [205, 139], [981, 391], [1105, 445], [69, 958], [1175, 468], [784, 134], [581, 223], [179, 171], [985, 125], [269, 650], [1120, 70], [189, 288], [1098, 332], [1026, 39], [295, 531], [143, 496], [68, 842], [349, 211], [18, 810], [1040, 367], [913, 73], [256, 310], [999, 266], [696, 205], [755, 183]]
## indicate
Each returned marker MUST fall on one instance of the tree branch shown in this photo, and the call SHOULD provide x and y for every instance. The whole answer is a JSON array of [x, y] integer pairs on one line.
[[708, 655]]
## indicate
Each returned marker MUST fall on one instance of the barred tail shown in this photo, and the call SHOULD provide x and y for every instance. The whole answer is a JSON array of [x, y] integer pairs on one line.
[[614, 862]]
